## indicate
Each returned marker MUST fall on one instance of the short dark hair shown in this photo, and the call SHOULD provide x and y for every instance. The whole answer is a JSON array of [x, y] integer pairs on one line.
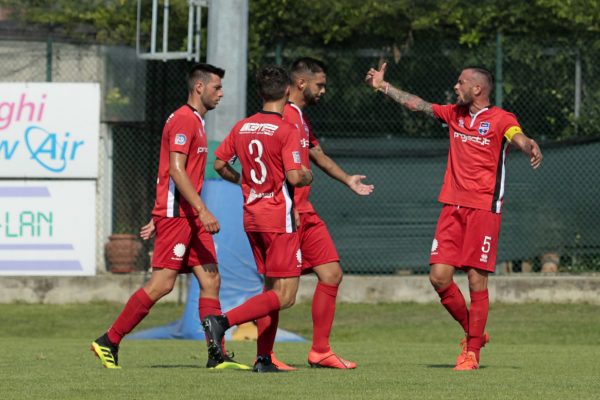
[[483, 71], [272, 81], [202, 71], [307, 64]]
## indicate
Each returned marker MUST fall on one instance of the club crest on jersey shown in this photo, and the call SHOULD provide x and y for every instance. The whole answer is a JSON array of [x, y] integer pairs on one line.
[[461, 123], [484, 128], [179, 250], [180, 139]]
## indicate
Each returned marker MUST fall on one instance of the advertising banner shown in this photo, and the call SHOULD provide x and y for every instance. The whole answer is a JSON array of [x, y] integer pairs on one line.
[[49, 130], [47, 227]]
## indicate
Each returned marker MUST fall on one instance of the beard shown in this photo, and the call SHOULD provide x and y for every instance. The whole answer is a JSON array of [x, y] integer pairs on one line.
[[310, 98], [464, 100]]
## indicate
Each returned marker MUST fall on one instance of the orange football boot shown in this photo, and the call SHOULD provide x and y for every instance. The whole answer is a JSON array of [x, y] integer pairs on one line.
[[469, 363], [281, 365], [463, 347], [329, 360]]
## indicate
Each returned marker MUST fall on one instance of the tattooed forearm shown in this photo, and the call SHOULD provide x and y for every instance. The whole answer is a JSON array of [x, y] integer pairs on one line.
[[410, 101]]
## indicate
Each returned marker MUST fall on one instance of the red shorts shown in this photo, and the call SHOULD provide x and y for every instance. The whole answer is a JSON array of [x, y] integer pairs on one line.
[[277, 255], [466, 237], [182, 243], [315, 242]]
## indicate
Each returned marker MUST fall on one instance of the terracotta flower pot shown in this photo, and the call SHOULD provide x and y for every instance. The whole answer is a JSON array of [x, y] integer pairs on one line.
[[122, 251]]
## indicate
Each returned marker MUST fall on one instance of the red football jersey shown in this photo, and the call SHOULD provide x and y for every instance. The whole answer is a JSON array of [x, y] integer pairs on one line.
[[478, 145], [293, 114], [267, 147], [183, 133]]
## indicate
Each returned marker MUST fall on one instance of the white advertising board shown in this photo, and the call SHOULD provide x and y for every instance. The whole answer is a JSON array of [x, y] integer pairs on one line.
[[47, 228], [49, 130]]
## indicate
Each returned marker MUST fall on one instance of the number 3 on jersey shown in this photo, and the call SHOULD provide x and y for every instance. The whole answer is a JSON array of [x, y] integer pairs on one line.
[[255, 147]]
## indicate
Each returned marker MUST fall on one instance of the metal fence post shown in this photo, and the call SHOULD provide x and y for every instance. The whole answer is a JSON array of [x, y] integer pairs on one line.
[[499, 59], [49, 50], [577, 106]]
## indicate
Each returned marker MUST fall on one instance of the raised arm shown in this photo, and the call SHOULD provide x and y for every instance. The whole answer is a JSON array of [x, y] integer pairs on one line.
[[331, 168], [375, 79], [529, 147]]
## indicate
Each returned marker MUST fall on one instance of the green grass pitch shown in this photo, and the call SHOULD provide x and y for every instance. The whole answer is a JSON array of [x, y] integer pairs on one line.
[[403, 351]]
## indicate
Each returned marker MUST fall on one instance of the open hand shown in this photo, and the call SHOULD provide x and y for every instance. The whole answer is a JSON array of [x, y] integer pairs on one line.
[[355, 183], [536, 155]]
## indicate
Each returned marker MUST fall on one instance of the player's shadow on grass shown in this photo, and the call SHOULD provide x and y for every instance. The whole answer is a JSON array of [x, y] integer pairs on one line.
[[178, 366], [448, 366]]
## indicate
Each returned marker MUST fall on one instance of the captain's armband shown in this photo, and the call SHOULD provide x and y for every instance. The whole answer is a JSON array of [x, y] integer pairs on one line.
[[511, 132]]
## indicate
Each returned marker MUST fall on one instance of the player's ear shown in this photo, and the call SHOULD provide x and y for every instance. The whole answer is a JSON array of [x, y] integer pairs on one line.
[[301, 83], [199, 86]]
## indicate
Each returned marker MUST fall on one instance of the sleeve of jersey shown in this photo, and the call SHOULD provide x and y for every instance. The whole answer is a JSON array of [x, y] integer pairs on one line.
[[226, 150], [510, 127], [290, 153], [442, 112], [181, 133]]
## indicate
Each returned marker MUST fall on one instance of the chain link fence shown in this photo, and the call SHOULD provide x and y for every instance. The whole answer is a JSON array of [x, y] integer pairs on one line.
[[552, 86]]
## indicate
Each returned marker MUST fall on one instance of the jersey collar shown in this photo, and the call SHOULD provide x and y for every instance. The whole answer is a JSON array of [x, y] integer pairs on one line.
[[270, 112], [196, 113]]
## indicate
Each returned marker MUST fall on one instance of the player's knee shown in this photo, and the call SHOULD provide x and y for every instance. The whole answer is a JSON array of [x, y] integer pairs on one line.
[[159, 290], [331, 274], [287, 300], [287, 297], [437, 281]]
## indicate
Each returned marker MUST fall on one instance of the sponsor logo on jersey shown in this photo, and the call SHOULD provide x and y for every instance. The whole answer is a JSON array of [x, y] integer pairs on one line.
[[484, 128], [180, 139], [258, 129], [304, 143], [202, 150], [483, 258], [474, 139], [179, 250], [253, 195], [296, 155]]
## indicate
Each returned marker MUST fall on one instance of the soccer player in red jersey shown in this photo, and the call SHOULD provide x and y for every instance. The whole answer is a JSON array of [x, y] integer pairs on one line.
[[269, 152], [472, 194], [309, 81], [183, 224]]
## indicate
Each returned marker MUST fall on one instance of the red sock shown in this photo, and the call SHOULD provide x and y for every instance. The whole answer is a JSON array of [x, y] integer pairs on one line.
[[267, 330], [323, 310], [254, 308], [454, 301], [209, 306], [480, 306], [135, 310]]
